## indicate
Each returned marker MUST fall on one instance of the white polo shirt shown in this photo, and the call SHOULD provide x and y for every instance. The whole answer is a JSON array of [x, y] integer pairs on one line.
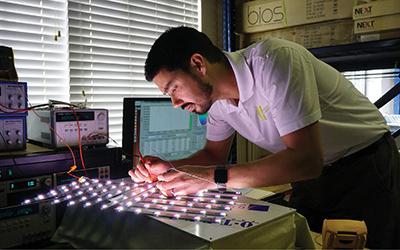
[[283, 88]]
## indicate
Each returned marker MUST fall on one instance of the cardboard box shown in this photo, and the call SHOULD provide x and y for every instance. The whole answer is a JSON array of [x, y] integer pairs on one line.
[[313, 35], [377, 24], [376, 8], [262, 15]]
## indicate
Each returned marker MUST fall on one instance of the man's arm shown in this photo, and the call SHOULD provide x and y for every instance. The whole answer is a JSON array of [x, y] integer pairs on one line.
[[302, 160]]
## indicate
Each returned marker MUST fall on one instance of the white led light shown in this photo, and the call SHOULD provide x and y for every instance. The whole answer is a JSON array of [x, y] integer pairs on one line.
[[146, 206], [223, 214], [208, 206], [203, 212], [105, 206], [183, 210], [71, 203], [197, 218], [87, 204], [138, 211], [41, 197], [176, 216], [156, 213], [218, 221]]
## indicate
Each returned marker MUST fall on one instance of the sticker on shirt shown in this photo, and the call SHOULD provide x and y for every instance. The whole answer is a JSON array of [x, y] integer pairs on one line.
[[262, 111]]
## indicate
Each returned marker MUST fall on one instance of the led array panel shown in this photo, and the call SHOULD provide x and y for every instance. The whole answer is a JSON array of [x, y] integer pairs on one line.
[[207, 206]]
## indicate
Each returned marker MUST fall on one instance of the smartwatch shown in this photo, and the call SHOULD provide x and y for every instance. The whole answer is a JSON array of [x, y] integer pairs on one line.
[[221, 177]]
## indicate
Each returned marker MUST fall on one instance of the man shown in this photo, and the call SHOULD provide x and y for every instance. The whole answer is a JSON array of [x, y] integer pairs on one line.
[[327, 139]]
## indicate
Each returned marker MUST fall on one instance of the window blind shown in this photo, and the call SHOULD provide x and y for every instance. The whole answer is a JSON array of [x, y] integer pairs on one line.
[[108, 45], [100, 52], [32, 29]]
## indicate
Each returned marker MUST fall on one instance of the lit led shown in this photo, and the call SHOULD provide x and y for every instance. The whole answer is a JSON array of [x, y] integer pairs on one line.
[[203, 212], [172, 203], [208, 206], [176, 216], [41, 197], [105, 206], [218, 221], [120, 208], [68, 197], [235, 197], [231, 203], [56, 201], [80, 192], [138, 211], [190, 205], [214, 201], [99, 199], [218, 196], [183, 210], [71, 203], [154, 201], [137, 199], [156, 213], [27, 201], [223, 214], [145, 195], [164, 208], [146, 206], [53, 192], [227, 208], [197, 218], [87, 204]]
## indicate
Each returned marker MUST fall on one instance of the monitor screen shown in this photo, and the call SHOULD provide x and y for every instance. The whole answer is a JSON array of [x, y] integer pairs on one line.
[[155, 127]]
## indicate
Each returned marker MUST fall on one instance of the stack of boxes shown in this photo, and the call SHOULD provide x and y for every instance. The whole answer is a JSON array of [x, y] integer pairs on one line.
[[377, 20], [311, 23]]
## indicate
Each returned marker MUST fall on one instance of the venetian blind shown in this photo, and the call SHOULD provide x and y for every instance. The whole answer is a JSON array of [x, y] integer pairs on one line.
[[108, 44], [37, 32]]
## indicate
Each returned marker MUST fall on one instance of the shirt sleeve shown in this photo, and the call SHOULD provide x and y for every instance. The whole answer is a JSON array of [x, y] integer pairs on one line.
[[217, 128], [291, 84]]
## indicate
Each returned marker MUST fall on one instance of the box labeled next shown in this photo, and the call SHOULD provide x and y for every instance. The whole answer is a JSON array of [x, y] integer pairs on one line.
[[374, 24], [376, 8]]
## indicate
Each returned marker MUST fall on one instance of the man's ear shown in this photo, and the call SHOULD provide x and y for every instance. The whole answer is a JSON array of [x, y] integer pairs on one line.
[[197, 62]]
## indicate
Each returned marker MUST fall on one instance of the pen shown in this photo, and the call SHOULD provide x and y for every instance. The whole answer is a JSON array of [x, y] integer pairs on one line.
[[141, 158]]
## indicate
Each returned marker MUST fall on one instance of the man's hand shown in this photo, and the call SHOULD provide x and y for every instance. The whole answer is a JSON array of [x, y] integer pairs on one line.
[[186, 180], [153, 166]]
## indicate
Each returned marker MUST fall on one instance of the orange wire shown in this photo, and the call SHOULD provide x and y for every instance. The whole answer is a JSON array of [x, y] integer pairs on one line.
[[80, 142]]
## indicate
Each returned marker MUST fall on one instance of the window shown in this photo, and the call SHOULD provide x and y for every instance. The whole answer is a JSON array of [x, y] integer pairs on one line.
[[89, 51]]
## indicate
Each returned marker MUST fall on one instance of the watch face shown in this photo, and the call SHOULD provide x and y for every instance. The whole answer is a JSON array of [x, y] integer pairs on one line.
[[220, 175]]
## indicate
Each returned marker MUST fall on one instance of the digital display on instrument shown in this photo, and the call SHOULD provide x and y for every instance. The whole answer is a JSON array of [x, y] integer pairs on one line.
[[17, 211], [70, 116], [22, 184]]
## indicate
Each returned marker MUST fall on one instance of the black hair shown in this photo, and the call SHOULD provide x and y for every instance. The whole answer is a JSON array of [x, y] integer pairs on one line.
[[174, 48]]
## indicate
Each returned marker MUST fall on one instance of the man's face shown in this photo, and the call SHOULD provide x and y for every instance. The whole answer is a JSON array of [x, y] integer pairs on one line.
[[187, 91]]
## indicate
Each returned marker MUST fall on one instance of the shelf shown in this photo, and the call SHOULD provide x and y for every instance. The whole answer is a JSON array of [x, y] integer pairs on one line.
[[382, 54]]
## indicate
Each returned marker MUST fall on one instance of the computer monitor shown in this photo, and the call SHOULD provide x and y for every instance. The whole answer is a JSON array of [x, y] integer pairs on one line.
[[155, 127]]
